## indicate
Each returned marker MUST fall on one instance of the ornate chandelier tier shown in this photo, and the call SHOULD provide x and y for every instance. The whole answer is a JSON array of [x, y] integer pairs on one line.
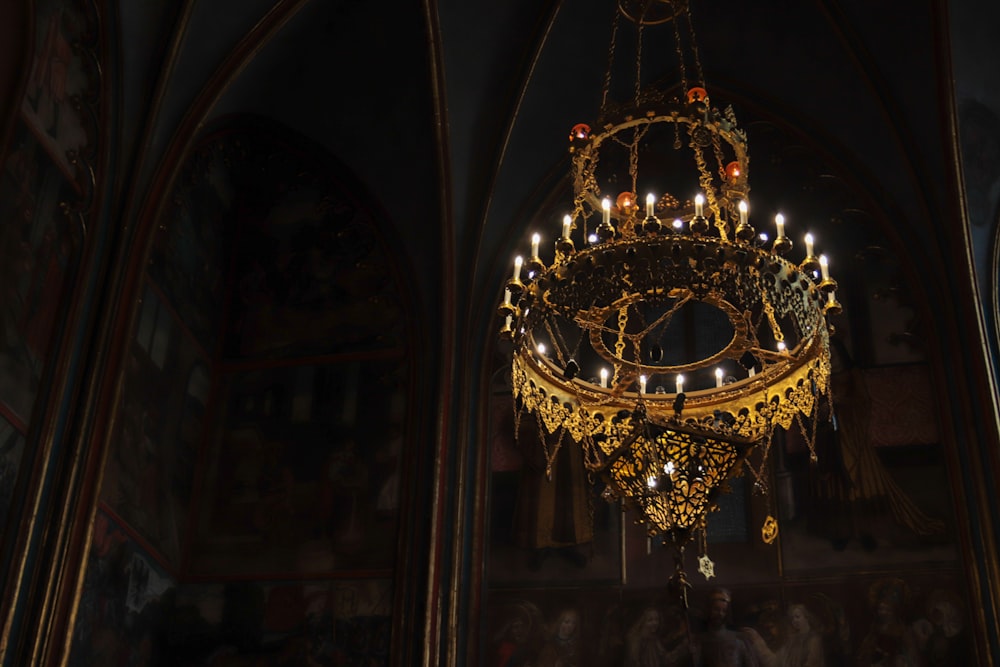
[[669, 340]]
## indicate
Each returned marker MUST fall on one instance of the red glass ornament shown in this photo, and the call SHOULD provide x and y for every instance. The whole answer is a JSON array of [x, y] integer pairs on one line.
[[733, 171], [579, 132], [697, 94], [626, 202]]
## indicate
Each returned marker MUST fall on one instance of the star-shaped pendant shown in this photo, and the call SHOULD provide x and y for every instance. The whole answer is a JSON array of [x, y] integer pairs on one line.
[[706, 566]]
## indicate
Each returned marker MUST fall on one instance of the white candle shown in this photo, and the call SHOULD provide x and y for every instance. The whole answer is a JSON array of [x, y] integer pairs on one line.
[[541, 349], [680, 384], [567, 225], [781, 346], [751, 371], [718, 377], [518, 261], [606, 208], [535, 240], [509, 322], [650, 202], [642, 384], [604, 378], [506, 297], [743, 211], [699, 205], [824, 267], [809, 245], [779, 223], [830, 298]]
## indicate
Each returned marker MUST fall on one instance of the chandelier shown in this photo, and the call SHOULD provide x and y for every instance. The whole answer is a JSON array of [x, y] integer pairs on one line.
[[666, 337]]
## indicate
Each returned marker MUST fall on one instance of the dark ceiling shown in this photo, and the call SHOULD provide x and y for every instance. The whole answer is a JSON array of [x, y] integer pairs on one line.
[[455, 115]]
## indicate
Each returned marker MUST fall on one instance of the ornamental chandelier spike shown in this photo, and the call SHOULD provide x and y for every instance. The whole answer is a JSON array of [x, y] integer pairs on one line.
[[669, 340]]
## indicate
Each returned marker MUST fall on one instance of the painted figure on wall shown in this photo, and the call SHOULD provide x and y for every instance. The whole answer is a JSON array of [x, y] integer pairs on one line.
[[650, 643], [37, 250], [56, 77], [851, 487], [717, 645], [518, 641], [563, 647], [554, 504], [802, 645]]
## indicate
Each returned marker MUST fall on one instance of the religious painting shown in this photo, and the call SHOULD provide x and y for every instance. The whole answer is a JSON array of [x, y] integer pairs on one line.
[[304, 471], [188, 258], [125, 600], [11, 454], [547, 522], [312, 276], [290, 232], [321, 623], [877, 619], [149, 475], [58, 78], [878, 491], [38, 249]]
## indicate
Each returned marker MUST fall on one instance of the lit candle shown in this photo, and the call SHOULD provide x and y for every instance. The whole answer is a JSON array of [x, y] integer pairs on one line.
[[809, 245], [535, 240], [680, 384], [699, 205], [781, 346], [506, 297], [779, 222], [650, 202], [678, 223], [541, 349], [718, 377], [824, 267], [606, 208], [567, 225], [518, 261], [510, 320], [743, 211], [830, 298], [642, 384], [604, 378]]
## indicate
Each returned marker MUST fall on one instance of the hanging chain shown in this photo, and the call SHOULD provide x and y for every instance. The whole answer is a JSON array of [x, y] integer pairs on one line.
[[638, 54], [694, 47], [611, 62], [706, 182], [620, 343], [680, 56]]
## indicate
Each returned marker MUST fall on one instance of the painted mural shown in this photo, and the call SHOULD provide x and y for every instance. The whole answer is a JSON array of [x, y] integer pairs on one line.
[[919, 620], [187, 262], [59, 78], [11, 451], [310, 275], [149, 475], [281, 624], [305, 474], [126, 597], [38, 249], [134, 613]]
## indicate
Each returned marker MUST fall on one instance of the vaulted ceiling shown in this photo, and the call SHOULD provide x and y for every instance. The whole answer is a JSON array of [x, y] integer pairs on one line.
[[453, 114]]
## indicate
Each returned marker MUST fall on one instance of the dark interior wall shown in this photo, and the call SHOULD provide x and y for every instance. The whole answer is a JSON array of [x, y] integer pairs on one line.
[[262, 430]]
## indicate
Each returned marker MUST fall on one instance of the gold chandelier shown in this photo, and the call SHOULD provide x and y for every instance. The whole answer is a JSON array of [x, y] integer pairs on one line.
[[668, 340]]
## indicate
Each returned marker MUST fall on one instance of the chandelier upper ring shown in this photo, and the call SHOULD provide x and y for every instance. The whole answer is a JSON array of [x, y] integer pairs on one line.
[[652, 12]]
